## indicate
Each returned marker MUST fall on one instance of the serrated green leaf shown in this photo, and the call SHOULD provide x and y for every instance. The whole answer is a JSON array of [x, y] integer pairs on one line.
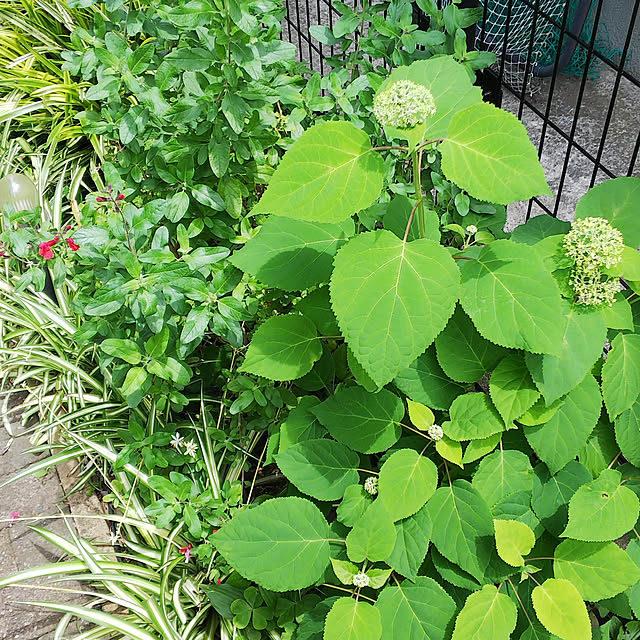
[[477, 449], [452, 573], [425, 381], [539, 413], [598, 570], [283, 348], [582, 344], [463, 353], [392, 299], [317, 307], [377, 577], [512, 389], [352, 620], [464, 534], [420, 415], [551, 494], [412, 542], [514, 539], [300, 425], [561, 610], [407, 481], [538, 228], [512, 298], [450, 450], [627, 430], [344, 570], [354, 503], [473, 417], [320, 468], [488, 153], [328, 174], [502, 473], [602, 510], [292, 254], [621, 374], [618, 315], [418, 610], [561, 438], [517, 506], [281, 544], [601, 448], [486, 614], [373, 536], [366, 422], [617, 201]]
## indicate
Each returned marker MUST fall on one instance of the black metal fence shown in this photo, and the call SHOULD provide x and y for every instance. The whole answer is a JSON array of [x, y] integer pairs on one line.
[[586, 125]]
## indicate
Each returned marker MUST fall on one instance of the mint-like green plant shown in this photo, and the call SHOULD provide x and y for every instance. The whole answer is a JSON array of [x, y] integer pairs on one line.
[[471, 398]]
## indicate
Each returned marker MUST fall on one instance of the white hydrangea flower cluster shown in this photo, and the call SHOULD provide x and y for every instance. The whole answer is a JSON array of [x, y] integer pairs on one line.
[[404, 104], [361, 580], [435, 432], [593, 244], [371, 485]]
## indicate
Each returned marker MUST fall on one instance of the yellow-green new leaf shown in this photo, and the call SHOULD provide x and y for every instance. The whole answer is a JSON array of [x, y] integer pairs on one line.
[[421, 416], [561, 610], [486, 614], [351, 620], [514, 540]]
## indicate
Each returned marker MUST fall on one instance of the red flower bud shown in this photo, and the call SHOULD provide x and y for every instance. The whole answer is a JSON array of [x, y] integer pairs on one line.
[[219, 580], [120, 196], [101, 199], [68, 228], [72, 245]]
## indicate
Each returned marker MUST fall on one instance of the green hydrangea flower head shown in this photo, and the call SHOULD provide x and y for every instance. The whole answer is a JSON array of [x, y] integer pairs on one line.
[[361, 580], [403, 104], [435, 432], [593, 243], [371, 485], [593, 288]]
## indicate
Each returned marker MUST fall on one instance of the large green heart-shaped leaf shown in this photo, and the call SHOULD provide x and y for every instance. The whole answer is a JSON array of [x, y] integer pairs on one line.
[[320, 468], [283, 348], [292, 254], [621, 374], [602, 510], [627, 429], [598, 570], [352, 620], [373, 536], [281, 544], [486, 614], [412, 543], [473, 417], [300, 424], [488, 153], [366, 422], [512, 389], [392, 299], [561, 610], [502, 474], [618, 201], [560, 439], [329, 174], [512, 298], [514, 539], [418, 610]]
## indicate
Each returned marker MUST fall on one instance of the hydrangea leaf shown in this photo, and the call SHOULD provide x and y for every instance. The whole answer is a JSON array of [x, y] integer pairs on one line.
[[473, 417], [416, 610], [463, 354], [618, 201], [486, 614], [517, 506], [601, 449], [477, 449], [420, 415], [317, 307], [320, 468], [292, 254], [538, 228], [328, 174], [412, 542], [354, 503], [627, 429], [351, 620], [582, 344], [373, 536], [407, 481], [452, 573], [366, 422], [487, 152], [514, 539], [539, 413], [282, 544], [392, 299], [621, 374], [561, 438], [501, 474], [450, 450], [598, 570], [512, 298], [561, 610], [602, 510], [425, 381], [464, 534], [512, 389], [300, 424]]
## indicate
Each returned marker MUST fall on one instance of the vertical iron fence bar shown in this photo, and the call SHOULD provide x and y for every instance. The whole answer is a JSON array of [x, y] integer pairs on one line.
[[306, 4], [576, 115], [552, 86], [527, 69], [299, 30], [634, 156], [614, 91], [320, 45]]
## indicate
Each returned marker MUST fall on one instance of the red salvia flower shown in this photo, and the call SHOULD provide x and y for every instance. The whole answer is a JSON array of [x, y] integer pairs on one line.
[[72, 245], [45, 249]]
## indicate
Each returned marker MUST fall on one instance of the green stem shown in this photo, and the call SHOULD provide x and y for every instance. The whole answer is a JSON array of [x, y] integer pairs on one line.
[[416, 159]]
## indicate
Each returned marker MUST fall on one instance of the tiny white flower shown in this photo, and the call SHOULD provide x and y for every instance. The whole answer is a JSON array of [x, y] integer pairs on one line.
[[471, 229], [361, 580], [435, 432], [190, 448], [371, 485], [176, 440]]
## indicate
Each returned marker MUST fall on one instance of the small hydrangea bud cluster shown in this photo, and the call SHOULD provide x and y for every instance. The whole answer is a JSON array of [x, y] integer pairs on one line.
[[371, 485], [435, 432], [471, 229], [593, 244], [404, 104], [361, 580]]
